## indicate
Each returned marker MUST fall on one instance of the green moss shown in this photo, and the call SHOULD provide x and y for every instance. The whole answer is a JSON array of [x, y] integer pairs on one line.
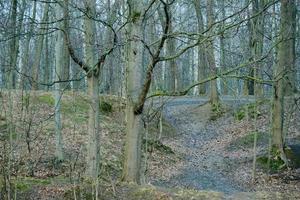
[[26, 100], [105, 107], [76, 110], [252, 109], [275, 163], [156, 144], [24, 184], [46, 99], [155, 193], [135, 16], [216, 111], [239, 114], [84, 192]]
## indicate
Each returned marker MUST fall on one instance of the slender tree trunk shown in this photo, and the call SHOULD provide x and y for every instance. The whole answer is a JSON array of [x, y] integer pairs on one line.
[[224, 82], [38, 49], [214, 96], [65, 74], [110, 72], [172, 75], [202, 54], [13, 45], [60, 64], [25, 59], [256, 43]]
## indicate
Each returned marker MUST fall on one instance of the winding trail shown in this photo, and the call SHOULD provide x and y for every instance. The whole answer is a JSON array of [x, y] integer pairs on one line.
[[206, 166]]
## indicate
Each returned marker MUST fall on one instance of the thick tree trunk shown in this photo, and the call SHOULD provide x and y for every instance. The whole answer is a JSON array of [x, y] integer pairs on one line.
[[93, 147], [283, 72], [132, 162]]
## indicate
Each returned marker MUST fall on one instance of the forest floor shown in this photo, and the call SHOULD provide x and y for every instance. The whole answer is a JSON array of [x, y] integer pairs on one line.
[[203, 153], [218, 150]]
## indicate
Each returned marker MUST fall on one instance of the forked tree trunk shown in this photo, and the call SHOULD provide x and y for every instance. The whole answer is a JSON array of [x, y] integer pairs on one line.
[[93, 147]]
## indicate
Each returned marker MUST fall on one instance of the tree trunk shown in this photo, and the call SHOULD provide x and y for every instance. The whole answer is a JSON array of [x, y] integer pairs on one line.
[[93, 147], [202, 54], [214, 96], [38, 49], [24, 84], [132, 162], [13, 46], [171, 67], [60, 64], [256, 43], [65, 73], [283, 71], [224, 82]]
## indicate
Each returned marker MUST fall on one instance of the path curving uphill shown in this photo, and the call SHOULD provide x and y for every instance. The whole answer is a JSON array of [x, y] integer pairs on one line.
[[202, 143]]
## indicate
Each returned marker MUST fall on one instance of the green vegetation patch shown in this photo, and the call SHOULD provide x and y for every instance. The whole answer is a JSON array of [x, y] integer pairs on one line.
[[45, 99], [105, 107], [155, 193], [247, 141], [272, 163], [217, 111], [24, 184], [158, 145], [252, 110]]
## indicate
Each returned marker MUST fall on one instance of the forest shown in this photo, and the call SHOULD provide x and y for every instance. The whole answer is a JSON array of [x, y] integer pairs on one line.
[[149, 99]]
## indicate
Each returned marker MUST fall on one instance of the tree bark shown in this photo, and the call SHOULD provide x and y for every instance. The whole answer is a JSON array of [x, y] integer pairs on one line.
[[214, 96], [93, 147], [256, 43], [223, 64], [60, 65], [202, 54], [283, 71], [24, 84], [13, 46], [132, 163], [38, 49]]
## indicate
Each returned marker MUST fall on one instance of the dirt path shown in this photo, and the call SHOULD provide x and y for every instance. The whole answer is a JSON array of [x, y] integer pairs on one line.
[[202, 142]]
